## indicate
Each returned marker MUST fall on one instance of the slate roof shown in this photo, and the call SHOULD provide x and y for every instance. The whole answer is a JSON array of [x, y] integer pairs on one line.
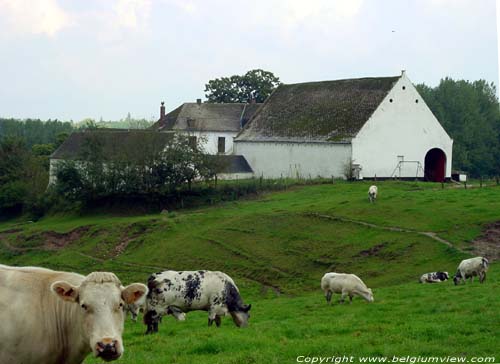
[[234, 164], [192, 116], [122, 143], [125, 144], [328, 111]]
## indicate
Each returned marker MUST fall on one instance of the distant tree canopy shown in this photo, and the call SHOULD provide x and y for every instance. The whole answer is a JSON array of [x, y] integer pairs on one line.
[[255, 84], [35, 131], [23, 175], [469, 112]]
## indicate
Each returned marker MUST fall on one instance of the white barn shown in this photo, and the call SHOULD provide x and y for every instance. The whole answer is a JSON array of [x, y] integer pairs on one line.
[[371, 127]]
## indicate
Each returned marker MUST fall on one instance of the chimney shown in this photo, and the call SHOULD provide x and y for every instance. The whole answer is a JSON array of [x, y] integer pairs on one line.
[[403, 73], [198, 101], [162, 110]]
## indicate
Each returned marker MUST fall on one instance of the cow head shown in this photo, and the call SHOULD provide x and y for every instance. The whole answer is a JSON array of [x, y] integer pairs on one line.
[[101, 299], [241, 315], [369, 295]]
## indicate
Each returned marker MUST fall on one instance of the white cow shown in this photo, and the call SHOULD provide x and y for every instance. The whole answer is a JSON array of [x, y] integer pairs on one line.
[[469, 268], [346, 284], [372, 193], [55, 317]]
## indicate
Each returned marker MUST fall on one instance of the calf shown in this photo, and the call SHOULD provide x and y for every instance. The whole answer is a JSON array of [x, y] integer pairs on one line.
[[346, 284], [174, 293], [372, 193], [469, 268], [434, 277]]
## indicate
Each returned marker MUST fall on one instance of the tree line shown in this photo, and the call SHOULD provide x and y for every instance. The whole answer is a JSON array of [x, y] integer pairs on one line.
[[470, 113]]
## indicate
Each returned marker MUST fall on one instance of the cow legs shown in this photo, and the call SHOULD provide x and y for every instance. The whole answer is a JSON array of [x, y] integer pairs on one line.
[[328, 296], [482, 277], [350, 298], [212, 316], [342, 298], [217, 321]]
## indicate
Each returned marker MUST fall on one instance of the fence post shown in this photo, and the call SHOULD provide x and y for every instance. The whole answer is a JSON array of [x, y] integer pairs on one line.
[[333, 180], [481, 181], [465, 184], [498, 180]]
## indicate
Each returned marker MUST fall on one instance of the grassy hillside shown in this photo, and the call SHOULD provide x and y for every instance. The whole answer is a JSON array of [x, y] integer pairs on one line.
[[283, 240], [281, 244]]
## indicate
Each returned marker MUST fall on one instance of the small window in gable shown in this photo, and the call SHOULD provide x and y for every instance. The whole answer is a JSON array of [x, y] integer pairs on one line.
[[404, 87], [390, 100]]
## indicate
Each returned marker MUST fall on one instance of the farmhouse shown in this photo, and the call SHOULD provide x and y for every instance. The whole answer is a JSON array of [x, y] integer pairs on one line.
[[212, 125], [368, 127]]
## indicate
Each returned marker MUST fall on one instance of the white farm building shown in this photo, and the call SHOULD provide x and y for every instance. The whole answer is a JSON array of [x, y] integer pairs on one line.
[[371, 127], [362, 128]]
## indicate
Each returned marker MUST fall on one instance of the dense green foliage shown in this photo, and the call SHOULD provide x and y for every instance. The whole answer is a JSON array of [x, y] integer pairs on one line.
[[254, 85], [35, 131], [154, 166], [470, 113], [23, 175], [279, 243]]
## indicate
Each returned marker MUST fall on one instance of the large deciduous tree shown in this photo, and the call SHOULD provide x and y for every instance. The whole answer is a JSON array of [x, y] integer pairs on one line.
[[254, 85]]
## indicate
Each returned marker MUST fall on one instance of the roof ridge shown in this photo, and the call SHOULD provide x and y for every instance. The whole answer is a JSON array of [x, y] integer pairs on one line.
[[340, 80]]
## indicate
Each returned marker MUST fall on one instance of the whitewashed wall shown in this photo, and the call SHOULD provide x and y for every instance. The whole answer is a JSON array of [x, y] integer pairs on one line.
[[402, 127], [52, 170], [210, 140], [274, 160]]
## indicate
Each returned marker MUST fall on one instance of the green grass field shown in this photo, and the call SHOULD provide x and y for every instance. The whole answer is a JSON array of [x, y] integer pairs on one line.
[[277, 247]]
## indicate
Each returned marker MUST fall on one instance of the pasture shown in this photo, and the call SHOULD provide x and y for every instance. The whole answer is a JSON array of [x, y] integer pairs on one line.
[[277, 247]]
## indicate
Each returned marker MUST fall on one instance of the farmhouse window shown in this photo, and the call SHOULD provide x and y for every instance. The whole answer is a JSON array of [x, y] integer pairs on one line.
[[221, 145], [192, 142]]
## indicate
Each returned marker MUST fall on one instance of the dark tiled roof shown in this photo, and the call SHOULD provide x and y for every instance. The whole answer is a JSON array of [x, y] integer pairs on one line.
[[234, 164], [207, 117], [115, 143], [328, 111]]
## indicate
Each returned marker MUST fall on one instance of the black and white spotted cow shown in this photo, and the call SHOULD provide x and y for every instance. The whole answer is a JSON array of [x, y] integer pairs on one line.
[[434, 277], [172, 292]]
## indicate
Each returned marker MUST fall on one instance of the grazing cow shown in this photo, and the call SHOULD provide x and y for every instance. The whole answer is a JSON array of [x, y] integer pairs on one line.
[[172, 292], [434, 277], [372, 193], [55, 317], [469, 268], [346, 284]]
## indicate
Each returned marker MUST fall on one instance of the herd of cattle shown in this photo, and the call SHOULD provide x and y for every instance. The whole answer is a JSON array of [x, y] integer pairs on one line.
[[59, 317]]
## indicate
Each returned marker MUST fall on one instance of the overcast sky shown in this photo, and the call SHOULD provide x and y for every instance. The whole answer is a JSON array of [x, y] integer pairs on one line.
[[72, 59]]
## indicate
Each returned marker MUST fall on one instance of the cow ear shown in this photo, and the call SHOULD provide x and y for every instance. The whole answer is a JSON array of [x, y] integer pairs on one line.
[[132, 293], [65, 291], [247, 308]]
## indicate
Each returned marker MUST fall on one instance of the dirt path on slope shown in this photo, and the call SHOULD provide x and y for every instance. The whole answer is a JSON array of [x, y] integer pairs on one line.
[[429, 234], [488, 243]]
